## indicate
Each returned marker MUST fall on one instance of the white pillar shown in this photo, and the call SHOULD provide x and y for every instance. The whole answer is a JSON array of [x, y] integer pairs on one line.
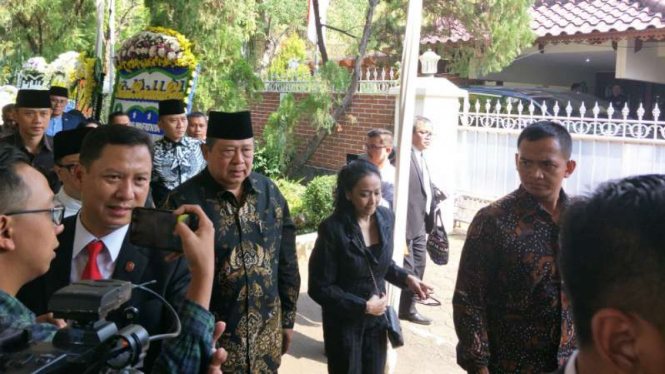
[[405, 109]]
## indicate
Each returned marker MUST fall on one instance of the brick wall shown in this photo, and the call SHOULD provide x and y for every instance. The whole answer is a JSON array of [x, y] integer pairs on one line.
[[370, 111]]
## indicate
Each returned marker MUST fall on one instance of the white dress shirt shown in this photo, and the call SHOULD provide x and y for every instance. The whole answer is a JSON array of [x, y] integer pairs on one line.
[[387, 184], [571, 364], [105, 260], [72, 206]]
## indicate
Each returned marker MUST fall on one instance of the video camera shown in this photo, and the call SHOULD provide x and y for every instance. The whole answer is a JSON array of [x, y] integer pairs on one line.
[[89, 344]]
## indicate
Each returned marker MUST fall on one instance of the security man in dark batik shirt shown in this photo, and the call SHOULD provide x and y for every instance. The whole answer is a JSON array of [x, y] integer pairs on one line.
[[257, 281], [177, 157], [33, 112], [510, 313]]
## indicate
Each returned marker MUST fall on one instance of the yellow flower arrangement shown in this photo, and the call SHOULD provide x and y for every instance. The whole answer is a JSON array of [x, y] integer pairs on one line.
[[86, 74], [156, 47]]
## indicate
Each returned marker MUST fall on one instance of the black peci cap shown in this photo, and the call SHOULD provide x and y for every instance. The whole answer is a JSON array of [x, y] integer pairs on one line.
[[69, 142], [233, 126], [169, 107], [59, 91], [33, 99]]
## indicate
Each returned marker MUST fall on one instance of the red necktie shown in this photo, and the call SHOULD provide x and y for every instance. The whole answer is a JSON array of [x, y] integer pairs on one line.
[[91, 271]]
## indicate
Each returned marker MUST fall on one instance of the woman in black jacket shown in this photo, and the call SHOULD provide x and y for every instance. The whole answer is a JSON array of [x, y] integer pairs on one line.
[[357, 236]]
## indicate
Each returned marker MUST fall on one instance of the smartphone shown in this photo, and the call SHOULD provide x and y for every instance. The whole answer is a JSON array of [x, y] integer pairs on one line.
[[153, 228]]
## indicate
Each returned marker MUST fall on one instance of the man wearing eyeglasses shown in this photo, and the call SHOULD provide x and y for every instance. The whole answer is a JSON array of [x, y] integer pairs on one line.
[[66, 149], [29, 225], [33, 110], [114, 175], [379, 144], [59, 119], [419, 219]]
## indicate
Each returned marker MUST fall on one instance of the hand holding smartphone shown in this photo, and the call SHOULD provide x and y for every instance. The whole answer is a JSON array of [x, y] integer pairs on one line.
[[153, 228]]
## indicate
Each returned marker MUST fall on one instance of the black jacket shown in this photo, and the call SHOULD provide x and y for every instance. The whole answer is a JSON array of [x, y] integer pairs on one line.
[[418, 222], [339, 277], [172, 282]]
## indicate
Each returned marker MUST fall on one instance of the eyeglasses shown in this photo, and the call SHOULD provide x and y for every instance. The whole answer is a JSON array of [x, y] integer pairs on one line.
[[426, 134], [374, 147], [58, 102], [58, 213], [69, 167]]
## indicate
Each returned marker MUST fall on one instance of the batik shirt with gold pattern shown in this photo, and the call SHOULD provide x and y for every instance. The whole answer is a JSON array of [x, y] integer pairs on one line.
[[510, 313], [257, 281]]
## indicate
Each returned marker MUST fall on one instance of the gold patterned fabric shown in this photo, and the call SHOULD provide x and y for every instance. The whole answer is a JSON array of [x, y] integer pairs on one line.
[[257, 282]]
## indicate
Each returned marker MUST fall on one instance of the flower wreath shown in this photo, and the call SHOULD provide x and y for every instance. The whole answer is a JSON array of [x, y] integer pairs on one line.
[[156, 47]]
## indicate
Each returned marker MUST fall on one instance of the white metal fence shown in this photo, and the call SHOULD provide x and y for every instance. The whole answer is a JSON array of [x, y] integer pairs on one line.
[[607, 144], [373, 81]]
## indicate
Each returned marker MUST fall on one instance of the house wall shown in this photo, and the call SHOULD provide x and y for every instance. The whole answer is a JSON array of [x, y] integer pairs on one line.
[[559, 66], [529, 73], [369, 111], [648, 64]]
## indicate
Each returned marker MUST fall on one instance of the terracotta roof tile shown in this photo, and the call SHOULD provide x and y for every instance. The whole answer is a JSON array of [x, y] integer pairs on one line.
[[552, 18], [556, 18]]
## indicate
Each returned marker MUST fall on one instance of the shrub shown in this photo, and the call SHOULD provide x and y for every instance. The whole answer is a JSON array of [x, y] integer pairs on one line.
[[293, 192], [318, 199], [264, 164]]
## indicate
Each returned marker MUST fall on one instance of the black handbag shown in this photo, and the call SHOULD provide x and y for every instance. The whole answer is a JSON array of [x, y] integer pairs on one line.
[[437, 242], [394, 328]]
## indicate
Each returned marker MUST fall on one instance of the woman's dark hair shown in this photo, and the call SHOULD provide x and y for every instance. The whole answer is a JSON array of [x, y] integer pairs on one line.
[[347, 179]]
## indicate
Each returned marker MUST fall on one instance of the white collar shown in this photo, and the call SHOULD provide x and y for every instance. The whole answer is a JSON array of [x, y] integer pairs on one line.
[[72, 206], [112, 242], [571, 367], [387, 167], [417, 151]]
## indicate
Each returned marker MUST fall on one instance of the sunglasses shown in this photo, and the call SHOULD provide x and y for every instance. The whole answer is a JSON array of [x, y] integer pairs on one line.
[[430, 301], [57, 213]]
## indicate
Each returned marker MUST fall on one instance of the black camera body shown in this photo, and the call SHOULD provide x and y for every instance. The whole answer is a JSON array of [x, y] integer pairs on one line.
[[89, 341]]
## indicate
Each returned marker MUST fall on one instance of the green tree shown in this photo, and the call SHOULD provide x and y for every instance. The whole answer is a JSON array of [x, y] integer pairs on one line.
[[275, 19], [344, 26], [44, 28], [499, 30], [292, 48], [47, 28], [340, 105], [219, 30]]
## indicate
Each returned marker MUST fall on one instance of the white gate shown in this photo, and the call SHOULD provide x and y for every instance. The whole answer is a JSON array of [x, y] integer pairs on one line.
[[604, 147]]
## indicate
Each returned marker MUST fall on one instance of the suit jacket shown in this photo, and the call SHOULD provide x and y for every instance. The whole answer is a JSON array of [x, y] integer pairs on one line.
[[172, 282], [561, 370], [339, 277], [418, 222], [71, 120]]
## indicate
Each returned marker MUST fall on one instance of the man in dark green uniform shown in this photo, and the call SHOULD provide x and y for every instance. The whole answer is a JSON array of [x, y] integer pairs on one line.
[[257, 281]]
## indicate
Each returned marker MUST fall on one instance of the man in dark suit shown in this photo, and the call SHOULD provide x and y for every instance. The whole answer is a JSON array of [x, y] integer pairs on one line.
[[419, 217], [612, 262], [114, 173], [32, 112], [59, 119]]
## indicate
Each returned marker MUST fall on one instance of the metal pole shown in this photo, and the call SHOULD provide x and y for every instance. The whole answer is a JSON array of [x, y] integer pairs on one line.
[[111, 67], [99, 45]]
